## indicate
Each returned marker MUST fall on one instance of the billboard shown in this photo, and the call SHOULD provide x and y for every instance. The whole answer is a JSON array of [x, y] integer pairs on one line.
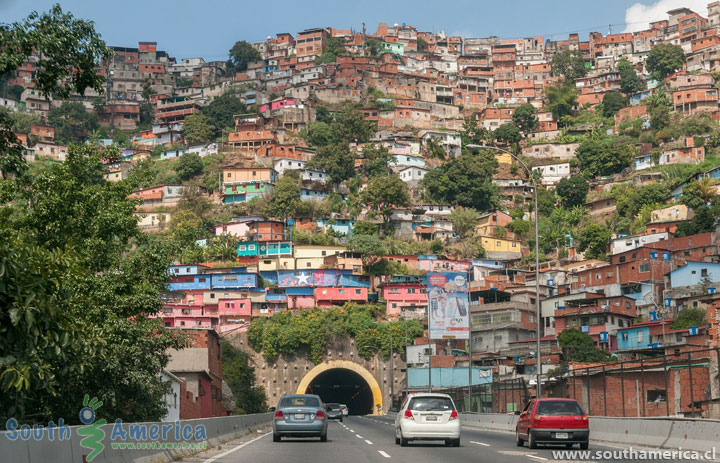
[[448, 306]]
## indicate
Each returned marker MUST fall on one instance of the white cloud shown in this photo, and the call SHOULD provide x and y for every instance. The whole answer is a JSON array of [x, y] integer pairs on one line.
[[638, 16]]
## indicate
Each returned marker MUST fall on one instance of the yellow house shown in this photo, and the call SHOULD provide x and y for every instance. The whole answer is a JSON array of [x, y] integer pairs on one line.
[[249, 174], [213, 297], [496, 248], [503, 158], [308, 256]]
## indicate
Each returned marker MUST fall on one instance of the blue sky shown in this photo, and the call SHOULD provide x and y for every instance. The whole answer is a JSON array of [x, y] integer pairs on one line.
[[208, 28]]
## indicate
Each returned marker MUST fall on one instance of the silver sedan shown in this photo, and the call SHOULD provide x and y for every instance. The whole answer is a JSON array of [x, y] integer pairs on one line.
[[300, 415]]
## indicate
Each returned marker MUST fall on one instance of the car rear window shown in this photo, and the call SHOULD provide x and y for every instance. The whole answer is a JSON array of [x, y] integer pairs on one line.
[[422, 404], [299, 402], [559, 407], [332, 407]]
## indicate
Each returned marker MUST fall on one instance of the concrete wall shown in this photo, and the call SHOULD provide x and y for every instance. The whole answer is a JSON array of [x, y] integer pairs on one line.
[[671, 433], [69, 451]]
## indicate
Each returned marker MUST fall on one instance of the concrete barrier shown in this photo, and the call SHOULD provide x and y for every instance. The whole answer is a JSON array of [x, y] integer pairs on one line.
[[667, 433], [219, 430]]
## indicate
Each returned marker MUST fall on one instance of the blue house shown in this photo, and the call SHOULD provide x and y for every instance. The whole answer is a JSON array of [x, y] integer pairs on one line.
[[190, 282], [634, 337], [310, 194], [234, 280], [344, 226], [695, 273], [177, 270]]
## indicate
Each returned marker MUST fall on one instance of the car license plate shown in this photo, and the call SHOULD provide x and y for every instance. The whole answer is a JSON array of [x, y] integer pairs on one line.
[[299, 416], [561, 435], [431, 418]]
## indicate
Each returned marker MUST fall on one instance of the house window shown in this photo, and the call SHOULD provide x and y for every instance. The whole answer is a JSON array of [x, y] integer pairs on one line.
[[644, 268], [703, 272], [624, 336], [640, 336], [657, 395]]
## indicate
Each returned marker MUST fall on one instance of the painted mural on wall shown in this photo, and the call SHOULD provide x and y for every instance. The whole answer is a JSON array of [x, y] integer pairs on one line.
[[304, 278]]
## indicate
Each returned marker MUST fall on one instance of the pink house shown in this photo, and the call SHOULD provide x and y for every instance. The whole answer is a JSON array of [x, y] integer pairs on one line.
[[277, 104], [187, 316], [404, 295], [240, 308], [238, 229], [300, 298], [326, 297]]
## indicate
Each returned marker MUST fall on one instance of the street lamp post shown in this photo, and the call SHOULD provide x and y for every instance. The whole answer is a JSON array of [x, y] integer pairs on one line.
[[537, 257]]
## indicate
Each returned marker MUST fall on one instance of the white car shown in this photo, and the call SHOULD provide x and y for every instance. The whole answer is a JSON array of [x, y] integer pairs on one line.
[[427, 416], [344, 409]]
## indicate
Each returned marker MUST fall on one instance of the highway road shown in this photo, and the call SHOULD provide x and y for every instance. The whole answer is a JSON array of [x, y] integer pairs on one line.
[[372, 439]]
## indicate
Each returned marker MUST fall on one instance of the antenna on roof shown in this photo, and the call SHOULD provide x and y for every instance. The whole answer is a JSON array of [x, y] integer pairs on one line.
[[609, 29]]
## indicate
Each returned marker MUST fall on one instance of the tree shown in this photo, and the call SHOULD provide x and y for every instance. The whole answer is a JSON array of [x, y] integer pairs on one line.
[[612, 102], [698, 193], [197, 129], [561, 99], [659, 106], [690, 316], [365, 228], [334, 47], [147, 111], [240, 376], [472, 133], [370, 246], [285, 198], [350, 127], [464, 181], [702, 222], [664, 59], [320, 134], [336, 160], [464, 221], [594, 240], [374, 46], [630, 82], [572, 191], [568, 64], [601, 158], [580, 347], [242, 54], [525, 118], [221, 110], [72, 122], [377, 161], [188, 166], [385, 193], [508, 133]]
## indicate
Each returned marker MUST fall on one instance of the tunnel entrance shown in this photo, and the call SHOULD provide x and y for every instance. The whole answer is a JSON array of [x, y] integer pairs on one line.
[[345, 387]]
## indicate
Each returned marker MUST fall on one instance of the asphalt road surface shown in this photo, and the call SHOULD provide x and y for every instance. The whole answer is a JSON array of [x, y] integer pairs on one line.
[[372, 439]]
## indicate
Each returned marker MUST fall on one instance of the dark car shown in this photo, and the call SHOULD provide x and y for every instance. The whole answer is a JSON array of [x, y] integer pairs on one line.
[[552, 421], [300, 415], [334, 412]]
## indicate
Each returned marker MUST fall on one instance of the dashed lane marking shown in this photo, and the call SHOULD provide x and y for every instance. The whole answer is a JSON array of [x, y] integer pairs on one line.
[[368, 442], [537, 458], [361, 437], [480, 443], [383, 454]]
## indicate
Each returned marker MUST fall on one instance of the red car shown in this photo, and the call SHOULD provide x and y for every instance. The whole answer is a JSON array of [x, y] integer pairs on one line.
[[552, 421]]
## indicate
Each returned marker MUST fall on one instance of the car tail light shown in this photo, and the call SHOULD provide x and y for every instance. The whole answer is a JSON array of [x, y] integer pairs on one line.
[[320, 414], [585, 417], [279, 415], [409, 415], [454, 415]]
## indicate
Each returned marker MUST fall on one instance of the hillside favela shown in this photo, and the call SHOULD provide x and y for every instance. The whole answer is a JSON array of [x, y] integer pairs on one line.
[[360, 242]]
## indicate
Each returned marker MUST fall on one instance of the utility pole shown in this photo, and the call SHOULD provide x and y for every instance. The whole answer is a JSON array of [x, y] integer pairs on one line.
[[392, 373]]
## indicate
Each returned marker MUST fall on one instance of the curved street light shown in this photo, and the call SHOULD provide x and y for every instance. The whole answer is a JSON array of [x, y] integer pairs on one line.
[[537, 258]]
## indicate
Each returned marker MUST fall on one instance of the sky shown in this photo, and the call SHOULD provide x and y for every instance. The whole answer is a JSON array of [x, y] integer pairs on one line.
[[209, 28]]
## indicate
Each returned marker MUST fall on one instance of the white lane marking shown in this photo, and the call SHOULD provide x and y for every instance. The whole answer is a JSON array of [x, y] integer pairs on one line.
[[383, 454], [359, 436], [217, 457], [537, 458], [480, 443], [350, 430], [368, 442]]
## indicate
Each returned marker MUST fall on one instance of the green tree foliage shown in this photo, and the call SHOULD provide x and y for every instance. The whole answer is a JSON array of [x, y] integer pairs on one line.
[[362, 227], [664, 59], [78, 297], [630, 199], [348, 126], [336, 160], [580, 347], [525, 118], [196, 129], [188, 166], [613, 102], [320, 134], [464, 181], [603, 157], [659, 106], [690, 316], [508, 133], [373, 46], [568, 64], [473, 134], [242, 54], [370, 246], [594, 240], [572, 191], [464, 221], [334, 47], [630, 82], [72, 122], [147, 110], [11, 158], [702, 222], [385, 193], [309, 331], [377, 161], [561, 99], [240, 376], [698, 193], [221, 110], [285, 198]]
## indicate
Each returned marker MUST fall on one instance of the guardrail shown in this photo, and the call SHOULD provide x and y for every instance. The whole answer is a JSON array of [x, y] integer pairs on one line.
[[42, 449], [668, 433]]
